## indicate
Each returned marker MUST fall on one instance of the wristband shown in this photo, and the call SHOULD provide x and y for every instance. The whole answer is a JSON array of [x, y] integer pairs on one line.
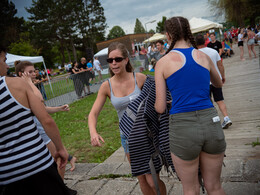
[[70, 157]]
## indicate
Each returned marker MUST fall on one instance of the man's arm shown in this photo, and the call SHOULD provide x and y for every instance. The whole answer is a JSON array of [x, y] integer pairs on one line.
[[221, 50], [221, 70]]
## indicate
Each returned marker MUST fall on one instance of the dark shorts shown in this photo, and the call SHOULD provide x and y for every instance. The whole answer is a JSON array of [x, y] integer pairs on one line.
[[92, 75], [193, 132], [217, 93], [240, 43], [230, 40], [45, 182]]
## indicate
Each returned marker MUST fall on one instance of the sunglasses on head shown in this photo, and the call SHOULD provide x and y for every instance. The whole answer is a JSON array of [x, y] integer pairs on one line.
[[117, 59]]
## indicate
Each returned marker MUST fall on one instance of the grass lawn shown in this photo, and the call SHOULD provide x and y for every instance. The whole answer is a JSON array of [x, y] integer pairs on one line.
[[73, 126]]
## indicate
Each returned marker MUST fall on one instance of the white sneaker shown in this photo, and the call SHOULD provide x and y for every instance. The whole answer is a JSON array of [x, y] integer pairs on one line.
[[226, 124]]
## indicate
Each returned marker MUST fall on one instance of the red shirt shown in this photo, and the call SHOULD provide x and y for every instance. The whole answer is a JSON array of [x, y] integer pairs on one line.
[[207, 41]]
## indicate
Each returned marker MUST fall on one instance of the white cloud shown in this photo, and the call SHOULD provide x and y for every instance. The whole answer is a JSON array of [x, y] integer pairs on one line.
[[124, 13]]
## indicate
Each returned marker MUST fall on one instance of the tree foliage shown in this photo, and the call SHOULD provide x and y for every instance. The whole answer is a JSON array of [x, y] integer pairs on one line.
[[67, 24], [23, 46], [151, 31], [236, 11], [115, 32], [10, 25], [139, 28], [160, 25]]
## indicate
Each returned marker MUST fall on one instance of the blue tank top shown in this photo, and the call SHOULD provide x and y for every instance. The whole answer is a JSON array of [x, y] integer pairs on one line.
[[190, 85], [121, 103]]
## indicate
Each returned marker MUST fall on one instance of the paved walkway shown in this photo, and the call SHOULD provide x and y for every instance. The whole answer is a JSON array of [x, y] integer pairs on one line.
[[241, 176]]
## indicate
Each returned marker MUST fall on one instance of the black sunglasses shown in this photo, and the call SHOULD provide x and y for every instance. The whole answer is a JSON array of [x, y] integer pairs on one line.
[[117, 59]]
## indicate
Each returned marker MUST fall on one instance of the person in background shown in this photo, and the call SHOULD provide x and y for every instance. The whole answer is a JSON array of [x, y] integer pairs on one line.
[[241, 43], [216, 92], [226, 48], [215, 44], [251, 42], [229, 33], [77, 81], [39, 80], [143, 56], [196, 137], [207, 41], [98, 68], [91, 71], [159, 52], [85, 75]]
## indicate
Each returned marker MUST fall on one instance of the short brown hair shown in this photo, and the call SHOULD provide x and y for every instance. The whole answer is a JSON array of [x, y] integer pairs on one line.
[[21, 65]]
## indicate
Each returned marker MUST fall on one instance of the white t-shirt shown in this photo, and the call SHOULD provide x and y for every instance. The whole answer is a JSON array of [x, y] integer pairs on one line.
[[96, 65], [239, 37], [214, 56]]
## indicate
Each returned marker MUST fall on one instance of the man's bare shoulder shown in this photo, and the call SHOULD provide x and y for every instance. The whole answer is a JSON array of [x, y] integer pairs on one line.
[[16, 83]]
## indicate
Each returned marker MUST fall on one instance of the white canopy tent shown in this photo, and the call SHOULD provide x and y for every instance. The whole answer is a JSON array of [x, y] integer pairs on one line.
[[199, 25], [102, 52], [11, 58], [155, 37]]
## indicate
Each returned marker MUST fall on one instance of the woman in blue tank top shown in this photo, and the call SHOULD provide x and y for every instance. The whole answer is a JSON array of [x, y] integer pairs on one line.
[[196, 136], [123, 87]]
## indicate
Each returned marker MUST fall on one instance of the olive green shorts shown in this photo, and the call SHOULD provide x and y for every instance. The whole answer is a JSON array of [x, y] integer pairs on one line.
[[193, 132]]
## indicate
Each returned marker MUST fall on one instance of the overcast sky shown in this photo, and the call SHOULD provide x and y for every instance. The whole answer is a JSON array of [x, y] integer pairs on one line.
[[124, 12]]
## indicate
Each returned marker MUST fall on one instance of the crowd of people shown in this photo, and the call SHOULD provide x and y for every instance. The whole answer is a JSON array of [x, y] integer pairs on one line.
[[83, 73], [177, 101]]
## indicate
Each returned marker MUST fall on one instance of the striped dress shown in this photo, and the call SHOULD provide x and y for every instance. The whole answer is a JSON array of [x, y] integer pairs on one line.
[[147, 132], [22, 151]]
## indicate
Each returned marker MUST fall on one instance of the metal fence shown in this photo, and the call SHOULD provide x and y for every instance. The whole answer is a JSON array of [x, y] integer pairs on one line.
[[65, 89]]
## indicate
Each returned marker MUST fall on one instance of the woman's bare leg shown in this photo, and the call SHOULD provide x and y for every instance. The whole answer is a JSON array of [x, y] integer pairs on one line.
[[253, 49], [147, 185], [188, 173], [211, 165]]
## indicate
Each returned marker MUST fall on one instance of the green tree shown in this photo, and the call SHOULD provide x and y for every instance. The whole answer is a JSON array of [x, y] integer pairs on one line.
[[160, 25], [67, 24], [23, 46], [115, 32], [10, 25], [139, 28], [91, 23], [236, 11], [151, 31]]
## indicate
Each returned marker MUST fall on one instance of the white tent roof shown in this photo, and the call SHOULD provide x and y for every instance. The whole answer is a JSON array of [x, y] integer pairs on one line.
[[11, 58], [199, 24], [102, 52], [155, 37]]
